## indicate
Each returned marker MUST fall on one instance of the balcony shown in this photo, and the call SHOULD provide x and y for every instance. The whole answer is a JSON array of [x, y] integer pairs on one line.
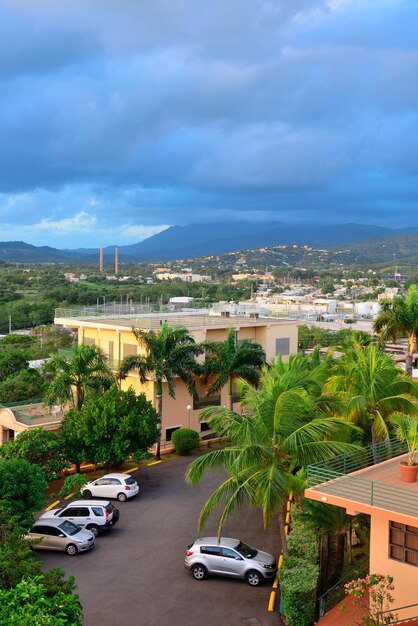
[[365, 482]]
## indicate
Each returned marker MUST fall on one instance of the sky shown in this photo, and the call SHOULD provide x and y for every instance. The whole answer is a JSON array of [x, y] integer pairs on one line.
[[119, 118]]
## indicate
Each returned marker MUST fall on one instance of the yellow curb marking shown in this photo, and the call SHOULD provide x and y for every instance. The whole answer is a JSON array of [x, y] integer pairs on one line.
[[133, 469], [280, 560], [70, 495], [272, 601], [53, 505], [276, 581], [153, 463]]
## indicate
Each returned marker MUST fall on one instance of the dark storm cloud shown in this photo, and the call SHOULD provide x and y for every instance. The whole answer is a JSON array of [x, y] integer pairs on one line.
[[123, 115]]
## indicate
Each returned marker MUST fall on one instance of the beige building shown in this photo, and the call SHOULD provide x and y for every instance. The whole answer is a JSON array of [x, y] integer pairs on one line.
[[360, 485], [113, 333]]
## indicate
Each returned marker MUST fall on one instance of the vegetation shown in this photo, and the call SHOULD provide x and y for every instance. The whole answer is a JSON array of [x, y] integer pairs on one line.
[[406, 429], [112, 426], [185, 440], [22, 488], [168, 353], [399, 318], [298, 581], [39, 447], [373, 594], [284, 425], [73, 484], [85, 371], [228, 360]]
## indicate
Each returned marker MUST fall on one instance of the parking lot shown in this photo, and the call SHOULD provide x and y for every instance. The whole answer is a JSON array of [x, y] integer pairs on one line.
[[135, 574]]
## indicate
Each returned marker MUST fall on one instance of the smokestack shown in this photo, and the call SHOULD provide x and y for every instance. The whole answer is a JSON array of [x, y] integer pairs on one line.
[[101, 260], [116, 260]]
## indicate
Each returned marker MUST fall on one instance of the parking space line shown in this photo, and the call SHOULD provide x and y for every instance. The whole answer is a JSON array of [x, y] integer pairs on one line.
[[153, 463], [53, 505], [133, 469], [70, 495]]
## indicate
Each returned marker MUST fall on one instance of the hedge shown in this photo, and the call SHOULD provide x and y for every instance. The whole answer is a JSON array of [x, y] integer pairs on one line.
[[185, 440], [298, 582]]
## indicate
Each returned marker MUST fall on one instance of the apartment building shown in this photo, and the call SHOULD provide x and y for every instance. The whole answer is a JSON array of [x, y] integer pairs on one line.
[[112, 332], [17, 417], [369, 482]]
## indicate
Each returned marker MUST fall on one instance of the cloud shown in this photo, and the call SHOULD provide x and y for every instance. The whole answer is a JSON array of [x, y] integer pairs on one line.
[[117, 119]]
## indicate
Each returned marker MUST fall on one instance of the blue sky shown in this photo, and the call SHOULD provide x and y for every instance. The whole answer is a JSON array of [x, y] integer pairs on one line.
[[121, 117]]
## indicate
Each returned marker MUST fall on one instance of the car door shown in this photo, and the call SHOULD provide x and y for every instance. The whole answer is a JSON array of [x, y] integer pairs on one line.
[[40, 532], [56, 539], [70, 513], [101, 488], [212, 559], [116, 487], [232, 563]]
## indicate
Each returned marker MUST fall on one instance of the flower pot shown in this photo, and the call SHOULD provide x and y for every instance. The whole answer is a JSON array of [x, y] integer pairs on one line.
[[408, 472]]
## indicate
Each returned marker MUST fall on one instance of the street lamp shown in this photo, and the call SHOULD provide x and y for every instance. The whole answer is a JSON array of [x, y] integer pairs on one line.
[[189, 408]]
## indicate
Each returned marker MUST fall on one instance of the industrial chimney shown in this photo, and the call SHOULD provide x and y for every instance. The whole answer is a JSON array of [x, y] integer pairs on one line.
[[101, 260], [116, 260]]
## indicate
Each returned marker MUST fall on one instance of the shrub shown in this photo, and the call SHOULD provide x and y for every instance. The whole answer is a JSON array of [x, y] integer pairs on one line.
[[185, 440], [298, 581], [302, 542], [72, 484]]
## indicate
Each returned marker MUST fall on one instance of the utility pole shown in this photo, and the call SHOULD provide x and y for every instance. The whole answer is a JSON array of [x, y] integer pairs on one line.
[[10, 324]]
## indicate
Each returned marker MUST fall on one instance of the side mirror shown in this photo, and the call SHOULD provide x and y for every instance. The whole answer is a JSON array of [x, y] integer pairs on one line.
[[61, 535], [238, 558]]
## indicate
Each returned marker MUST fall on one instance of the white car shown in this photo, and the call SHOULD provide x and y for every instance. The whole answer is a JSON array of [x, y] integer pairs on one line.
[[120, 486]]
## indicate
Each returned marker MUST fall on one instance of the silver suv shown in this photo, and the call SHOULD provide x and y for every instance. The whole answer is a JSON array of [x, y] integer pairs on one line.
[[229, 557], [95, 515]]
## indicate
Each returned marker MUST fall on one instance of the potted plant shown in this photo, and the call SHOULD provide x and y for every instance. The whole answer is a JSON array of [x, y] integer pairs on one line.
[[406, 429]]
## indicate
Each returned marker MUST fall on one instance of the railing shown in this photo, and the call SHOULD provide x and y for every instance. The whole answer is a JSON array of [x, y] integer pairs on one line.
[[202, 403], [335, 473], [10, 405], [396, 612], [334, 594]]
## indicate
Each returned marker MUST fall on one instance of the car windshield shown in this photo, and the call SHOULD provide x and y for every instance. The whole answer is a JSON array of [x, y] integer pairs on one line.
[[69, 528], [246, 551]]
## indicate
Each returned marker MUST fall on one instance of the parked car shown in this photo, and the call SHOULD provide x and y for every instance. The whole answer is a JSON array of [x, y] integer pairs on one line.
[[59, 534], [96, 515], [229, 557], [120, 486]]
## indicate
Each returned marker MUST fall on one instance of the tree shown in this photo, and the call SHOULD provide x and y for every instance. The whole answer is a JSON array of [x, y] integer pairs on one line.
[[399, 318], [17, 559], [40, 447], [72, 438], [115, 425], [28, 604], [371, 389], [284, 426], [26, 384], [22, 487], [227, 360], [168, 353], [11, 362], [87, 370]]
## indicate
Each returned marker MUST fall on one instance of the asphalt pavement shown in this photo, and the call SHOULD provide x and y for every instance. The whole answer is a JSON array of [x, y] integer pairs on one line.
[[135, 574]]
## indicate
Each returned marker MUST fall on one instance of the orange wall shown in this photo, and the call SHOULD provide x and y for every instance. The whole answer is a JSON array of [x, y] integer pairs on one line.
[[405, 577]]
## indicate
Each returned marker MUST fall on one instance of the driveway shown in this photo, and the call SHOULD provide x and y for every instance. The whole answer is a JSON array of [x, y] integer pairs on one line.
[[135, 574]]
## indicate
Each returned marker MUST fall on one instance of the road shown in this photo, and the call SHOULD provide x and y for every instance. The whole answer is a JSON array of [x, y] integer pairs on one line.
[[135, 575]]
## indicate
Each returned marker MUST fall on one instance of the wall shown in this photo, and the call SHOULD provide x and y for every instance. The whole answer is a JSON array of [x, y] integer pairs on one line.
[[405, 576]]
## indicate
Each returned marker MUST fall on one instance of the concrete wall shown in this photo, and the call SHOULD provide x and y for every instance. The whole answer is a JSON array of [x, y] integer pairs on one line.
[[405, 576]]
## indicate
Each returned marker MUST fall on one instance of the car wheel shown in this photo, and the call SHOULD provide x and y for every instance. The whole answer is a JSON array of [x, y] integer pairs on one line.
[[122, 497], [87, 494], [71, 549], [199, 572], [94, 529], [253, 578]]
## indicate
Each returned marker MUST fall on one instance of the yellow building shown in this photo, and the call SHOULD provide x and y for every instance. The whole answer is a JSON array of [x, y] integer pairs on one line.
[[360, 483], [113, 334]]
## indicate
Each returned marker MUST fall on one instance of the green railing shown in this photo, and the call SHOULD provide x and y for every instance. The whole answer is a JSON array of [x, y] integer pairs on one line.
[[335, 473], [10, 405], [334, 594], [399, 619]]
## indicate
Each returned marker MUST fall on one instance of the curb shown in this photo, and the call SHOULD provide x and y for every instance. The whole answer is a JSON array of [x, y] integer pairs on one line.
[[272, 599]]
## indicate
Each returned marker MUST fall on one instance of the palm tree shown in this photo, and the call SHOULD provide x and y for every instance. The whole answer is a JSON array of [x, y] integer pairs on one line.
[[227, 360], [399, 318], [86, 370], [168, 353], [371, 389], [284, 426]]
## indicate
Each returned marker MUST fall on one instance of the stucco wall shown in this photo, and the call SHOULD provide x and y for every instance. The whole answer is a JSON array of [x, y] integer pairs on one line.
[[405, 576]]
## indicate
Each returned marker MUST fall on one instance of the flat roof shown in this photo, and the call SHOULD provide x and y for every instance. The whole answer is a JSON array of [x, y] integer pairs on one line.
[[375, 490]]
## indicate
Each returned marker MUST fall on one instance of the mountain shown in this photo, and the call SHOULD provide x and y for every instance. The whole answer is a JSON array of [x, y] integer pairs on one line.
[[19, 251], [196, 240]]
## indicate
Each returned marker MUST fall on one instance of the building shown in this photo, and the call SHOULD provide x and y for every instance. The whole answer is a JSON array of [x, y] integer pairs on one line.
[[113, 333], [369, 482], [18, 417]]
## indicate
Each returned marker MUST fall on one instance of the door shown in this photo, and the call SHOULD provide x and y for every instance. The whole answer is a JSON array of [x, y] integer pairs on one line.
[[40, 532], [101, 488], [232, 563], [56, 539], [115, 487], [212, 558]]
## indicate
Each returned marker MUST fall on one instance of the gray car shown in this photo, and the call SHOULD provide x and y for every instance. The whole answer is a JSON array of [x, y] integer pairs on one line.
[[58, 534], [229, 557]]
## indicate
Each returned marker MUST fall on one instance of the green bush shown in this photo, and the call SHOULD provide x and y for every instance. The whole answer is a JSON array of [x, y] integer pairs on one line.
[[298, 581], [72, 484], [302, 542], [185, 440]]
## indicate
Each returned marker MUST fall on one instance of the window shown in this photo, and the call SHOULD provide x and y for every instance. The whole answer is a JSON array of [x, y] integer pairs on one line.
[[102, 482], [211, 550], [97, 511], [230, 554], [403, 543], [169, 432], [115, 481], [129, 481], [283, 346], [128, 349], [40, 530], [72, 512], [201, 403], [54, 532], [88, 341], [82, 512], [204, 426]]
